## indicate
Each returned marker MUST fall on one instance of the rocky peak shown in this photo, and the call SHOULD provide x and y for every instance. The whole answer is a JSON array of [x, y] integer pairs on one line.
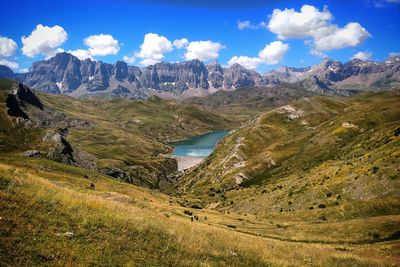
[[238, 76], [6, 72]]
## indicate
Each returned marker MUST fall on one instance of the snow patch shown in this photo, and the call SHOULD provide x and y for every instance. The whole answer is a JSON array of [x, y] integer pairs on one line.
[[59, 85]]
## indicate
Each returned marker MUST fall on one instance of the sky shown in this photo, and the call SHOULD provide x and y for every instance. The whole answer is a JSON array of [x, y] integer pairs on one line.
[[258, 34]]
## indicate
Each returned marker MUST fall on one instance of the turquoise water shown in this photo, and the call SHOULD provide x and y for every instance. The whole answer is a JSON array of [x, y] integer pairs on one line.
[[199, 145]]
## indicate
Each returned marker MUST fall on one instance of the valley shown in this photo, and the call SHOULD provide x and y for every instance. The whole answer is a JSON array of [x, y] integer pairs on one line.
[[306, 181]]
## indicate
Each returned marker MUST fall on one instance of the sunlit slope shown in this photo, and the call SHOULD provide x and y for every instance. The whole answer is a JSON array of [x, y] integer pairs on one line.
[[336, 156], [51, 216]]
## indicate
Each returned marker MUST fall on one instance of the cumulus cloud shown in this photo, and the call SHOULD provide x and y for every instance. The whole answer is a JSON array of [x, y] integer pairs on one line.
[[98, 45], [362, 55], [251, 63], [82, 54], [11, 64], [203, 50], [102, 45], [312, 23], [129, 59], [181, 43], [273, 52], [7, 47], [153, 48], [44, 40], [351, 35]]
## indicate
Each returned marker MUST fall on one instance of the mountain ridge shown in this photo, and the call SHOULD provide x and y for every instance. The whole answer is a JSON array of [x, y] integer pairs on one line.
[[65, 73]]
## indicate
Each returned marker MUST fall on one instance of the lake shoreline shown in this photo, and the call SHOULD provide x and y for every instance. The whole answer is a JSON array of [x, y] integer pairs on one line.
[[192, 150], [187, 162]]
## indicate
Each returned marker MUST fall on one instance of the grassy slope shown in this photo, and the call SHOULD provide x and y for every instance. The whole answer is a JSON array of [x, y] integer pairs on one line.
[[131, 135], [121, 224], [14, 136], [311, 178], [246, 103]]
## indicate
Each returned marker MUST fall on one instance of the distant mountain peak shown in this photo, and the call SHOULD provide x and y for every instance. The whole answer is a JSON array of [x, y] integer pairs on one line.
[[65, 73]]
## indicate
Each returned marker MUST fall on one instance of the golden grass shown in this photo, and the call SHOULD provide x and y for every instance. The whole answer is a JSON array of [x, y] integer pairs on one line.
[[113, 227]]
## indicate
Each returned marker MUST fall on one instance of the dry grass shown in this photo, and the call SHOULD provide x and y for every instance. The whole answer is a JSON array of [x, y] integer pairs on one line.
[[122, 224]]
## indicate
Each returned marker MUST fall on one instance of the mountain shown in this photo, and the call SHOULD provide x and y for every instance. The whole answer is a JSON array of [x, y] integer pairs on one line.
[[65, 73], [335, 78]]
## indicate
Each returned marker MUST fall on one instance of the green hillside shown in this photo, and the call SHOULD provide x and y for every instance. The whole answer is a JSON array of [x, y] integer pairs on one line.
[[125, 138], [311, 183]]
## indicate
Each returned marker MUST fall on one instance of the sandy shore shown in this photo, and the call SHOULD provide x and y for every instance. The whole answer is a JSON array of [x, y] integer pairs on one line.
[[186, 162]]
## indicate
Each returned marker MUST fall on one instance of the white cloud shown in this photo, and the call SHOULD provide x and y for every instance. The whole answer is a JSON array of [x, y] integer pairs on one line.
[[102, 45], [7, 47], [263, 25], [129, 60], [273, 52], [203, 50], [99, 45], [394, 54], [312, 23], [246, 24], [351, 35], [362, 55], [44, 40], [181, 43], [25, 70], [317, 53], [82, 54], [289, 23], [153, 48], [251, 63], [11, 64]]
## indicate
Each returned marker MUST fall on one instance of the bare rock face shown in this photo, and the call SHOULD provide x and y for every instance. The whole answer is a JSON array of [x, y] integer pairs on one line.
[[32, 154], [20, 97], [64, 73], [336, 78], [215, 75], [237, 76]]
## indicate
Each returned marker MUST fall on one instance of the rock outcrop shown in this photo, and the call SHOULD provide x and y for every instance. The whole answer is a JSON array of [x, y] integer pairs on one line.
[[66, 74]]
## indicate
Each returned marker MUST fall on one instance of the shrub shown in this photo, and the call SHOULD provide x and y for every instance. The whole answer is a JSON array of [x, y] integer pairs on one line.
[[188, 212], [375, 169]]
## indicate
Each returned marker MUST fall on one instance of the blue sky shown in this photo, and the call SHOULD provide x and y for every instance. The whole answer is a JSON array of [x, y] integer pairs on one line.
[[124, 24]]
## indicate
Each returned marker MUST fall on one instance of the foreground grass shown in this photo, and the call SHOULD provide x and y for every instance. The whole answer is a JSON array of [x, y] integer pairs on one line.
[[120, 224]]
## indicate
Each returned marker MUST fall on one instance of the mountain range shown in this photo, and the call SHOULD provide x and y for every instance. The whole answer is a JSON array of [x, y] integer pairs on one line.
[[66, 74]]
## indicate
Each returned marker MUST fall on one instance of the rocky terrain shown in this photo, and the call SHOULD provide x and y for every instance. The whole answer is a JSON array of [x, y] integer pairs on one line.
[[66, 74], [336, 78]]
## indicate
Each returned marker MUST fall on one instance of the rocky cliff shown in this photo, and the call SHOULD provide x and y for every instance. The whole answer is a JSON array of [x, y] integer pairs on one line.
[[66, 74]]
